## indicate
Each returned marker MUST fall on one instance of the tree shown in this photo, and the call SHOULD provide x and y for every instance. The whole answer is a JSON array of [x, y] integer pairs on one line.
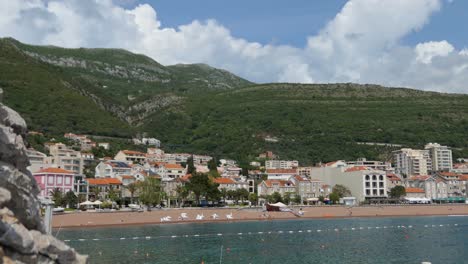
[[321, 198], [182, 193], [224, 194], [243, 194], [57, 196], [253, 198], [190, 166], [132, 189], [199, 184], [112, 194], [70, 199], [287, 198], [276, 197], [334, 197], [150, 191], [341, 190], [297, 199], [233, 195], [397, 191]]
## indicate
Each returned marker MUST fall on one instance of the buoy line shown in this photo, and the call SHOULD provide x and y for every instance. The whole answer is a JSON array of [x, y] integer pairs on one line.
[[272, 232]]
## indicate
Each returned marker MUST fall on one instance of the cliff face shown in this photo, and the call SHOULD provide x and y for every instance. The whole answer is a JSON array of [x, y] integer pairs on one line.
[[22, 236]]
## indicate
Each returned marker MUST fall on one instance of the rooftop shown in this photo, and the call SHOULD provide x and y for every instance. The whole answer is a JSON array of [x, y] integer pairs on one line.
[[55, 170], [104, 181]]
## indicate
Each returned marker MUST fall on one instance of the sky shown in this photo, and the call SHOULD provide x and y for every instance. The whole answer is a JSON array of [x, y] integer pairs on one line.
[[419, 44]]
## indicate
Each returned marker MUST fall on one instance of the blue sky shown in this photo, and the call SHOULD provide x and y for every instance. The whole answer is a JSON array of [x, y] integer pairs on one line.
[[289, 22], [420, 44]]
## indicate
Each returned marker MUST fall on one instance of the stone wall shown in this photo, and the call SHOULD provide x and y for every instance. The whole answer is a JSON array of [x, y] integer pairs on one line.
[[22, 236]]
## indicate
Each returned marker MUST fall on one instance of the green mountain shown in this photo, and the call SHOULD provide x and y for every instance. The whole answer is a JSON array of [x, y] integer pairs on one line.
[[206, 110]]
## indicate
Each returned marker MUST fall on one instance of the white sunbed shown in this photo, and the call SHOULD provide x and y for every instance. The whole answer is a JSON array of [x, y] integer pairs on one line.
[[215, 216], [200, 217], [229, 216], [183, 216]]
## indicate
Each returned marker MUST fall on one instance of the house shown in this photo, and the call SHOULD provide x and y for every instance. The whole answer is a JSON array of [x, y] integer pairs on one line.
[[412, 192], [99, 188], [392, 181], [112, 169], [104, 145], [306, 188], [267, 155], [280, 174], [233, 184], [151, 142], [50, 179], [373, 164], [456, 183], [269, 187], [176, 158], [435, 188], [130, 156], [461, 168], [173, 171]]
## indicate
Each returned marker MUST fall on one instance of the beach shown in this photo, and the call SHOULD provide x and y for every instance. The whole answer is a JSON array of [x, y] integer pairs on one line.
[[122, 218]]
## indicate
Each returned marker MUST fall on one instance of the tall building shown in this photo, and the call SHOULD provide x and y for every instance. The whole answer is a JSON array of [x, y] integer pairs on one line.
[[441, 157], [412, 162], [65, 158]]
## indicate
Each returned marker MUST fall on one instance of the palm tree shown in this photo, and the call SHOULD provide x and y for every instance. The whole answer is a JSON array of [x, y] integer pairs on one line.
[[57, 196], [182, 193]]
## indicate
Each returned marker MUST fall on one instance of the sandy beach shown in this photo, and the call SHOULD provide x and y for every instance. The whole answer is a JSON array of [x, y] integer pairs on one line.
[[101, 219]]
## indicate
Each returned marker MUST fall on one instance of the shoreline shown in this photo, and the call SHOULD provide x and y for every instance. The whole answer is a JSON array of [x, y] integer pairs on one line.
[[127, 219]]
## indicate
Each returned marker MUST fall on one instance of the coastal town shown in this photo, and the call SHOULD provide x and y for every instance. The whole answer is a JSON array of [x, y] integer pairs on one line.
[[71, 175]]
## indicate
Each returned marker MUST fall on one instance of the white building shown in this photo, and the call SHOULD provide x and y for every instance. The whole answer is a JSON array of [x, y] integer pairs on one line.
[[173, 171], [441, 157], [112, 169], [269, 187], [281, 164], [37, 159], [130, 156], [411, 162], [151, 142], [63, 157], [373, 164], [280, 174]]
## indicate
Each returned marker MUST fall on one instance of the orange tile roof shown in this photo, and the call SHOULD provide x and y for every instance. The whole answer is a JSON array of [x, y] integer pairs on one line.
[[414, 190], [128, 177], [357, 168], [224, 181], [282, 183], [281, 171], [463, 177], [104, 181], [132, 152], [300, 178], [185, 178], [55, 170], [330, 163], [419, 178], [173, 166]]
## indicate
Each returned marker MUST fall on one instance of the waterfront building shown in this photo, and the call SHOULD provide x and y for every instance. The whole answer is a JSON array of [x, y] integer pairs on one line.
[[269, 187], [99, 188], [49, 179], [409, 162], [232, 184], [441, 157], [412, 192], [306, 188], [168, 170], [460, 168]]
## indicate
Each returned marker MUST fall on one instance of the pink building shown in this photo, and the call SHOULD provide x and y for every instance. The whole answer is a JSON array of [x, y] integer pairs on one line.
[[51, 178]]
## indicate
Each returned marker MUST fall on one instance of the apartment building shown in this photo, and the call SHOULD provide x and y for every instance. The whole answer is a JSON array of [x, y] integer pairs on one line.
[[112, 169], [409, 162], [50, 179], [63, 157], [173, 171], [269, 187], [373, 164], [441, 157], [280, 174], [281, 164], [305, 171], [307, 188], [37, 159]]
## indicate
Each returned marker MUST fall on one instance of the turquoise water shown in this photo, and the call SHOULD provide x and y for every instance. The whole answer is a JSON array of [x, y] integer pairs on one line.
[[353, 240]]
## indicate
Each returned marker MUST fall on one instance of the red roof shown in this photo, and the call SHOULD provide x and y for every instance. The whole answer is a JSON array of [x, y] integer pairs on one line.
[[300, 178], [132, 152], [414, 190], [55, 170], [185, 178], [419, 178], [330, 163], [224, 181], [104, 181], [282, 183], [357, 168], [128, 177], [281, 171], [173, 166]]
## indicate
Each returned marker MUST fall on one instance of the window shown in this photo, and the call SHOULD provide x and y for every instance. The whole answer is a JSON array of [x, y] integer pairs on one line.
[[367, 177], [374, 192], [367, 192], [374, 177], [381, 192], [367, 184], [374, 184], [381, 184], [381, 177], [59, 179], [67, 180], [50, 180]]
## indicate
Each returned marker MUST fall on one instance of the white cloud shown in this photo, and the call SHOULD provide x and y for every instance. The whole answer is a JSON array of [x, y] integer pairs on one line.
[[428, 50], [361, 44]]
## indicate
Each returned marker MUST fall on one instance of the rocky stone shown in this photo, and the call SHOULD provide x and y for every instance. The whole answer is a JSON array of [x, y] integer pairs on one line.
[[22, 232]]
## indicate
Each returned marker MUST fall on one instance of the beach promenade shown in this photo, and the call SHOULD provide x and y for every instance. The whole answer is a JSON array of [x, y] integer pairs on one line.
[[120, 218]]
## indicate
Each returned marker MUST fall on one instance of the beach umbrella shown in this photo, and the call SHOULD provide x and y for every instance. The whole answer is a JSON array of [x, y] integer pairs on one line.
[[87, 203], [97, 202], [279, 204]]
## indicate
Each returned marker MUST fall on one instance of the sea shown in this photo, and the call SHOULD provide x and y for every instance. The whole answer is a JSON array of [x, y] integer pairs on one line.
[[434, 240]]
